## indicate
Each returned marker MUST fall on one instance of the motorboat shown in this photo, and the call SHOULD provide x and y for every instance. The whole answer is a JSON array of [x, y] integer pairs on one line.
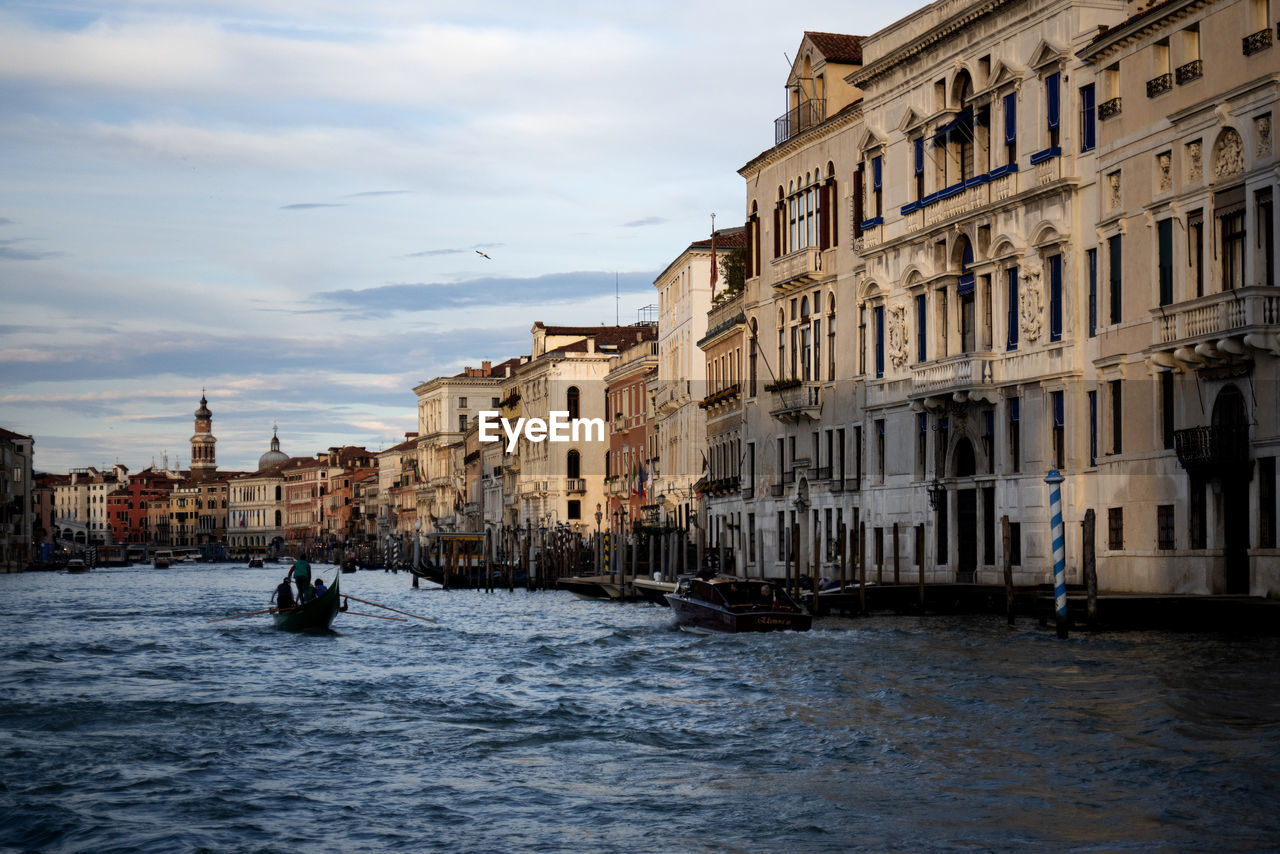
[[736, 605]]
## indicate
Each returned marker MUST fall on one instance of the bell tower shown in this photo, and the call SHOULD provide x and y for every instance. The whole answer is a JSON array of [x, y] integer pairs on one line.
[[203, 459]]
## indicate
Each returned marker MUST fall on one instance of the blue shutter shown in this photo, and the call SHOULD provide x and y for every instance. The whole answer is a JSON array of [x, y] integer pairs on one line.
[[921, 329], [1051, 98], [1011, 118], [1055, 298], [920, 156], [1093, 429], [1092, 255], [875, 173], [879, 341]]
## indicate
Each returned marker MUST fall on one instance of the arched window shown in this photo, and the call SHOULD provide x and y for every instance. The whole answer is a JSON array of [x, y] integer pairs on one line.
[[571, 403], [573, 465], [751, 351], [831, 336]]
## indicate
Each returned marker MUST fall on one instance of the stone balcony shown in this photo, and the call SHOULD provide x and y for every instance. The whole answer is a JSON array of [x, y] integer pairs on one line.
[[796, 269], [1217, 328], [795, 403], [576, 485], [958, 378], [671, 395]]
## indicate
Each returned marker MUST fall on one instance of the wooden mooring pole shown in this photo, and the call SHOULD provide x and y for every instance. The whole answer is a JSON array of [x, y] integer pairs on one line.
[[1008, 568], [1090, 567]]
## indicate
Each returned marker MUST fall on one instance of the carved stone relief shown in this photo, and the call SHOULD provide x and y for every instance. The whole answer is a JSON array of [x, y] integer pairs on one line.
[[1195, 162], [898, 336], [1030, 302], [1113, 191], [1228, 154], [1164, 172], [1262, 128]]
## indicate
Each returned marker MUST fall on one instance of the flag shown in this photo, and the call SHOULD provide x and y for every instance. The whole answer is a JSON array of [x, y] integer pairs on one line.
[[634, 478], [644, 478]]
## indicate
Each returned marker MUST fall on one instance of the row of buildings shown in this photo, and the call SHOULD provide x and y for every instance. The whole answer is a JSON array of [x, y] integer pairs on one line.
[[994, 239]]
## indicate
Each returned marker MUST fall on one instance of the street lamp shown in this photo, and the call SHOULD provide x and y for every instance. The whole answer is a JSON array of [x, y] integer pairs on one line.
[[937, 491]]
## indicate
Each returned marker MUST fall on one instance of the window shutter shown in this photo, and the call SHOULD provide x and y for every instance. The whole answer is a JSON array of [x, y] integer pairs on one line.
[[919, 144], [1011, 118], [1051, 98], [857, 202], [875, 172], [823, 207]]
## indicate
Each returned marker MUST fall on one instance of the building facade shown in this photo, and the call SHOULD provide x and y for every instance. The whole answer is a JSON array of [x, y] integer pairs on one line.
[[17, 503]]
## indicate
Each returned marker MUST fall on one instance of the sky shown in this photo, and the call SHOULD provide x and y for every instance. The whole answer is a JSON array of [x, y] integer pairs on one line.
[[279, 203]]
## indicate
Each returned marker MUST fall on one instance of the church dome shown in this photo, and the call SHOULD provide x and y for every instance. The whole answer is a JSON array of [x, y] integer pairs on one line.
[[273, 456], [203, 411]]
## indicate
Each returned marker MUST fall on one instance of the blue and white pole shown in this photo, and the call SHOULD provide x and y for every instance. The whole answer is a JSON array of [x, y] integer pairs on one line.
[[1054, 479]]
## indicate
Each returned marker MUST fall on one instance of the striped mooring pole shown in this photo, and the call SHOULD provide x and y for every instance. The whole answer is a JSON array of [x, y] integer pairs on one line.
[[1054, 478]]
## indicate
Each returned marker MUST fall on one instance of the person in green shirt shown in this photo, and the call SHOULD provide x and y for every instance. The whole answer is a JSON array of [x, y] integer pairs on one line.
[[302, 578]]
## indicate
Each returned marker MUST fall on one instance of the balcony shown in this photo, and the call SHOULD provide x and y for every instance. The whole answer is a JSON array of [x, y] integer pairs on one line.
[[1213, 451], [1210, 329], [1163, 83], [795, 269], [671, 395], [955, 377], [1255, 42], [577, 485], [1191, 71], [775, 490], [1108, 108], [796, 402], [725, 395], [799, 118]]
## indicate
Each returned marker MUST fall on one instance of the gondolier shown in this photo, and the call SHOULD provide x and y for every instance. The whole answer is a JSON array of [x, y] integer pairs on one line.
[[302, 577]]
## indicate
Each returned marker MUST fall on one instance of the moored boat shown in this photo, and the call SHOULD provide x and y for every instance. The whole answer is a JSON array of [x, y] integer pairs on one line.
[[161, 562], [734, 605], [314, 616], [653, 590], [76, 565]]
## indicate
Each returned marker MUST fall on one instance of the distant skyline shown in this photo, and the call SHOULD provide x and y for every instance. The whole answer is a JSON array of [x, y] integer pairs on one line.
[[308, 208]]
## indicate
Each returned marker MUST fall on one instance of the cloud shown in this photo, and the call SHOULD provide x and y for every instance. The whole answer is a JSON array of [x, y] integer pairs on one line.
[[649, 220], [306, 206], [367, 193], [10, 251], [491, 291], [431, 253], [5, 221]]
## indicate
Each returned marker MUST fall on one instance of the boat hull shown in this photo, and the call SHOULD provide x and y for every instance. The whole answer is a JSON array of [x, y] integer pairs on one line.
[[698, 616], [313, 616]]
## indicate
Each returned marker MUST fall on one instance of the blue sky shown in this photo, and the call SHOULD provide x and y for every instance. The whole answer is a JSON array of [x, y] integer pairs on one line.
[[281, 201]]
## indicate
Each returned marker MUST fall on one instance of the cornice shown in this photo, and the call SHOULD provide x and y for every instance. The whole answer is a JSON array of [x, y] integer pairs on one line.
[[802, 140], [875, 70], [1140, 27]]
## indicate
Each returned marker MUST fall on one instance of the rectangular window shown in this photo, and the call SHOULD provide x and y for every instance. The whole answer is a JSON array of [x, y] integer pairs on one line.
[[1114, 262], [1093, 429], [1011, 127], [1266, 239], [1088, 119], [1052, 107], [1115, 528], [1059, 430], [919, 166], [1091, 261], [782, 536], [922, 443], [1198, 517], [1055, 297], [989, 438], [462, 403], [751, 538], [1015, 437], [1117, 417], [877, 185], [462, 423], [1195, 249], [880, 448], [1166, 410], [988, 526], [575, 509], [1015, 544], [839, 463], [1164, 261], [1164, 527], [879, 332], [1267, 502], [1012, 321], [921, 329], [1232, 226]]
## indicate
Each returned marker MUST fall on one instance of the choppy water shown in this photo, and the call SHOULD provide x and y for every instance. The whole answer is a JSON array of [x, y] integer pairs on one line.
[[538, 722]]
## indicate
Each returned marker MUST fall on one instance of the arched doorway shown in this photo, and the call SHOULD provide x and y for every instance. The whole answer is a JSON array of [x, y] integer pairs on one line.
[[1231, 435], [964, 465]]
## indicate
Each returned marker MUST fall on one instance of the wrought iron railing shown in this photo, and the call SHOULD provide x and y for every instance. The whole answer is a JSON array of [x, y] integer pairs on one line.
[[1190, 71], [801, 117], [1159, 85], [1215, 449], [1254, 42], [1110, 108]]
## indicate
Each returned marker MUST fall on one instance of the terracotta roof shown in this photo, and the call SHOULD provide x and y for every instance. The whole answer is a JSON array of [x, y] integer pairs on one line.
[[609, 339], [837, 47], [9, 434], [726, 238]]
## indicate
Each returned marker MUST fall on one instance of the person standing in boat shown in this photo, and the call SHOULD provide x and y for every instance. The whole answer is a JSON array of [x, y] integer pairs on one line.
[[283, 597], [302, 577]]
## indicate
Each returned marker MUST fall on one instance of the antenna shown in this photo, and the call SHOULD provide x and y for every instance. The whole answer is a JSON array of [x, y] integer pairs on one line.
[[617, 300]]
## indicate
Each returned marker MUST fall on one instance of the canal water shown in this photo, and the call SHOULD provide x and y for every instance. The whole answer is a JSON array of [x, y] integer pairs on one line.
[[539, 722]]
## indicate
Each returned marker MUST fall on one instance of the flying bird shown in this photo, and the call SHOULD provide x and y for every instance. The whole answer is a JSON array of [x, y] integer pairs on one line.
[[482, 255]]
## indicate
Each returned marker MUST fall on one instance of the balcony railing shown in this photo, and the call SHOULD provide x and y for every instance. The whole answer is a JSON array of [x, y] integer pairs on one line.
[[1190, 71], [1159, 85], [802, 117], [801, 267], [1212, 450], [1233, 312], [1255, 42], [577, 484], [1109, 108], [953, 374], [797, 402], [671, 395]]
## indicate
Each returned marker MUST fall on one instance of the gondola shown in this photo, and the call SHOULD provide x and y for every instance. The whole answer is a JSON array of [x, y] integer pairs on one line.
[[313, 616]]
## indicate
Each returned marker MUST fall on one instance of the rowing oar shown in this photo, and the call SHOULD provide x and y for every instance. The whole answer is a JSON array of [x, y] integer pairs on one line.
[[375, 616], [250, 614], [376, 605]]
